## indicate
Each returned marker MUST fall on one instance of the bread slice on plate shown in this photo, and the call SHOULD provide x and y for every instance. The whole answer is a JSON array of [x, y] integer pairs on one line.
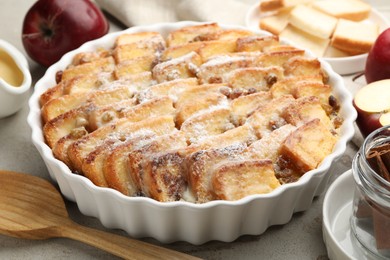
[[354, 37], [273, 5], [275, 23], [313, 21], [354, 10], [305, 40]]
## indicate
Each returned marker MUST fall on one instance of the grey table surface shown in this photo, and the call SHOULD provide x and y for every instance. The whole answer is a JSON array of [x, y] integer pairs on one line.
[[301, 238]]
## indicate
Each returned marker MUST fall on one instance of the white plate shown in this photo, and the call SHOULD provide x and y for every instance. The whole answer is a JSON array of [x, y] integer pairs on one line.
[[337, 211], [342, 65], [175, 221]]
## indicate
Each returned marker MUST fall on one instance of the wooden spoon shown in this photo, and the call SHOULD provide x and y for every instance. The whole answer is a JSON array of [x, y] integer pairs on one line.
[[32, 208]]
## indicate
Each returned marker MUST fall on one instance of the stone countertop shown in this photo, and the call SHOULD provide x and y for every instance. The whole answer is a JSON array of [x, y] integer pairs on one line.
[[301, 238]]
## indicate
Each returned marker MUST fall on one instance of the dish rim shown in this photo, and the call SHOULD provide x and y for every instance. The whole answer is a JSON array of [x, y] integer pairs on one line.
[[34, 121]]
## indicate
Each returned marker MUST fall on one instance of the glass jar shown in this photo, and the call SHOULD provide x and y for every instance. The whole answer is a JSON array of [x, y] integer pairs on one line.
[[370, 221]]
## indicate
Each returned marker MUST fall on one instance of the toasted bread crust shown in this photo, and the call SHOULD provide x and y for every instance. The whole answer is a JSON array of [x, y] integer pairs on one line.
[[236, 180]]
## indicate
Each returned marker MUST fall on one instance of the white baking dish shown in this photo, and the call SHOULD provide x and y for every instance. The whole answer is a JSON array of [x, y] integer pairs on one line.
[[185, 221]]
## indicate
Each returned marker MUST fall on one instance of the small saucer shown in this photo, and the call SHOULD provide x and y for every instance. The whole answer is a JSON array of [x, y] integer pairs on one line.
[[337, 211]]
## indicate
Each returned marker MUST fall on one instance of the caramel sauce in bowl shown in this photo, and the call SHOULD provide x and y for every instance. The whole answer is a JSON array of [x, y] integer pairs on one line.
[[15, 79]]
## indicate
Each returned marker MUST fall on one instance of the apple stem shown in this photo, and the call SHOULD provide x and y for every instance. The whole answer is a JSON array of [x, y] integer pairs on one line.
[[358, 76]]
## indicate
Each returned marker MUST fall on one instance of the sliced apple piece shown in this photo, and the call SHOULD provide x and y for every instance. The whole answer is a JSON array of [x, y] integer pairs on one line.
[[385, 119], [372, 104]]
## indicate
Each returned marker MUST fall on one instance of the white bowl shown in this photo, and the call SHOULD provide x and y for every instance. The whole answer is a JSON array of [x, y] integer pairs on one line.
[[339, 239], [185, 221], [341, 65], [13, 98]]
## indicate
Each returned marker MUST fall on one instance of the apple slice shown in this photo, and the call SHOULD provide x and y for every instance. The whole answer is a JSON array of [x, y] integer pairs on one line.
[[372, 104]]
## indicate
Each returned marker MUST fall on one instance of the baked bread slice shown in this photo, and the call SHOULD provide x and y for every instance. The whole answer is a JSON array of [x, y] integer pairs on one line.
[[245, 105], [201, 165], [254, 79], [256, 43], [207, 123], [135, 66], [302, 66], [200, 102], [312, 21], [66, 123], [120, 130], [138, 157], [90, 56], [238, 179], [304, 110], [354, 10], [87, 83], [216, 69], [60, 148], [268, 147], [191, 34], [137, 49], [268, 118], [240, 135], [275, 23], [128, 108], [78, 84], [183, 67], [275, 5], [171, 88], [354, 37], [65, 103], [164, 176], [123, 174], [140, 37], [288, 85], [93, 67], [194, 99], [279, 57], [94, 165], [91, 117], [307, 146], [317, 89]]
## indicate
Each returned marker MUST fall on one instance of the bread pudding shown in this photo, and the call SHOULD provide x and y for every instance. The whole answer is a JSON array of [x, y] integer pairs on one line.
[[200, 114]]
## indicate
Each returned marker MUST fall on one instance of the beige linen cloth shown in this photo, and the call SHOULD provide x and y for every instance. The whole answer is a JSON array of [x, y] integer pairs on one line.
[[143, 12]]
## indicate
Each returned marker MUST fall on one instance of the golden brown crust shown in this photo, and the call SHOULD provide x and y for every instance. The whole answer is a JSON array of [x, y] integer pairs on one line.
[[351, 46], [135, 158], [116, 168], [201, 165], [236, 180], [191, 33], [120, 130], [307, 146], [304, 110], [96, 66], [256, 43]]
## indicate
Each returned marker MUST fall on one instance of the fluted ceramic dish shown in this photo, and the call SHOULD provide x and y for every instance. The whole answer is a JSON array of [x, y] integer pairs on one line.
[[185, 221]]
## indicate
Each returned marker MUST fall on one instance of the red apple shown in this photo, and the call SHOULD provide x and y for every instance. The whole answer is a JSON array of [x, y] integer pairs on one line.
[[372, 103], [378, 60], [52, 28]]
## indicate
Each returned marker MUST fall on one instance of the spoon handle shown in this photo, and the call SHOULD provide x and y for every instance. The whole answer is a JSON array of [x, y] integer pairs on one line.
[[123, 247]]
